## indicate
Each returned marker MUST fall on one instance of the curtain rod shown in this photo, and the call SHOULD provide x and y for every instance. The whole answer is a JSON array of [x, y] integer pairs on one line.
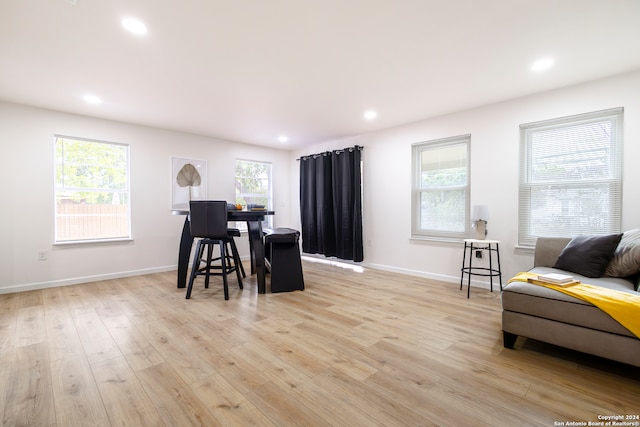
[[326, 153]]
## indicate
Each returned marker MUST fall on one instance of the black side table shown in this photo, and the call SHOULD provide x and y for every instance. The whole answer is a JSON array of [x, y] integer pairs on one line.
[[471, 245]]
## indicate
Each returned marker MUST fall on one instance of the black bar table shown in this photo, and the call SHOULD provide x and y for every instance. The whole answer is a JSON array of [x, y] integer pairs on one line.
[[253, 218]]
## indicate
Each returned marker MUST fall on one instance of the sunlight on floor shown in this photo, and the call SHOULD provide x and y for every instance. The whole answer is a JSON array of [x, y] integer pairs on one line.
[[335, 263]]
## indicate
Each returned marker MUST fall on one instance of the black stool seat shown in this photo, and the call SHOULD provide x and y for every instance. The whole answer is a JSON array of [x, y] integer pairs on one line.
[[283, 255], [281, 234]]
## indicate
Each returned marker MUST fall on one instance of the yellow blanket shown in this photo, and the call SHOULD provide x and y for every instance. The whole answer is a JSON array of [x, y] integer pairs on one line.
[[622, 306]]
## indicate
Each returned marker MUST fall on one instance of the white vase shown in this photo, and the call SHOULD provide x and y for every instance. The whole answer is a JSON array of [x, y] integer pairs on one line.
[[481, 229]]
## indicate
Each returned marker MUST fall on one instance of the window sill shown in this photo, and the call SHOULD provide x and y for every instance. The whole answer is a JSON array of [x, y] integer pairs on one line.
[[524, 249], [433, 239], [94, 242]]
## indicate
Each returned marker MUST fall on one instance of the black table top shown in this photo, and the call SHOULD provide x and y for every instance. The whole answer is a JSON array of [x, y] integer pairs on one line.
[[237, 215]]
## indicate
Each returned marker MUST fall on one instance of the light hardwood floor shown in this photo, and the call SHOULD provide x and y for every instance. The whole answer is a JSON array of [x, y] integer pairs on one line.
[[353, 349]]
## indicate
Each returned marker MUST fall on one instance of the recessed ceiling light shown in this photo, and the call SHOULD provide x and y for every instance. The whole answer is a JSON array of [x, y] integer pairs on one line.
[[370, 115], [542, 64], [134, 26], [92, 99], [283, 138]]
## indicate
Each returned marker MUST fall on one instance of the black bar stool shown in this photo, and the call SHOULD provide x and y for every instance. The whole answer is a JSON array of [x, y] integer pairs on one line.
[[208, 221], [283, 256]]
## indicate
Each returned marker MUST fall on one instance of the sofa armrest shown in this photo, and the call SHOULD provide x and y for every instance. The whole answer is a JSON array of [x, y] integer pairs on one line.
[[548, 250]]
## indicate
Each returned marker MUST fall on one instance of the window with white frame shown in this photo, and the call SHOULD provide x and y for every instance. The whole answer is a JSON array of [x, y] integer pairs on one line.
[[92, 201], [253, 186], [440, 202], [571, 176]]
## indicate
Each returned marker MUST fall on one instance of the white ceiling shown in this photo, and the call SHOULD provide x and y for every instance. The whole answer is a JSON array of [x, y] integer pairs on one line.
[[251, 70]]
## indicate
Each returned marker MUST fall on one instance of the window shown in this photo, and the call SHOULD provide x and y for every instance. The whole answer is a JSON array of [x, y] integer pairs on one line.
[[91, 190], [571, 176], [253, 186], [440, 203]]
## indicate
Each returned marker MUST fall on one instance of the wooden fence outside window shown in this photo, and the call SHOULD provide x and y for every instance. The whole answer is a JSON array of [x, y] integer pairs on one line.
[[91, 221]]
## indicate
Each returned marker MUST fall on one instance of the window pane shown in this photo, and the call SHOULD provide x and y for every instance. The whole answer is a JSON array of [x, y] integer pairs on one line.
[[253, 186], [557, 210], [91, 190], [91, 220], [444, 167], [572, 153], [442, 211], [87, 164], [253, 180]]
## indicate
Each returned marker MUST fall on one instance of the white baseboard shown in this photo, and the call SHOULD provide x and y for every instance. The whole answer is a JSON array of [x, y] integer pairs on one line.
[[85, 279], [407, 271], [121, 274], [444, 278]]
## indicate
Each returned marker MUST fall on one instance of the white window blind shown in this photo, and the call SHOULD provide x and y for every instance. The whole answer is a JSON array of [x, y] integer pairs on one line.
[[571, 176], [440, 203]]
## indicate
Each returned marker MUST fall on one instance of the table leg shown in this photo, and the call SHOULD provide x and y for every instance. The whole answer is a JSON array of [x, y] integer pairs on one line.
[[470, 270], [464, 258], [490, 267], [499, 268], [252, 256], [257, 249], [186, 241]]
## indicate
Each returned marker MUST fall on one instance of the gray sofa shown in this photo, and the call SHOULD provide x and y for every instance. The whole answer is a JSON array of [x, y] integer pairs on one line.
[[547, 315]]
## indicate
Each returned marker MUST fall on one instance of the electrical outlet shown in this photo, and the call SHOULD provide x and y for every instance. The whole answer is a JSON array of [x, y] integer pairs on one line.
[[42, 255], [478, 254]]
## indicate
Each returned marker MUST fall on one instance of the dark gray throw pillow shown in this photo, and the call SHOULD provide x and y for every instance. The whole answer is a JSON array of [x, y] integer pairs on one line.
[[588, 255]]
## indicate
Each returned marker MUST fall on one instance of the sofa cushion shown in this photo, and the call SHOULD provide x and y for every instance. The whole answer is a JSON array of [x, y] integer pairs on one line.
[[588, 255], [626, 258]]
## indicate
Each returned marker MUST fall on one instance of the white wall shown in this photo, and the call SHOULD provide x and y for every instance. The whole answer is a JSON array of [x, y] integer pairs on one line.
[[26, 213], [495, 140], [27, 204]]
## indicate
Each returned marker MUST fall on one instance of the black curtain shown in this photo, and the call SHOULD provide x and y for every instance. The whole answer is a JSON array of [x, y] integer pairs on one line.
[[331, 204]]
